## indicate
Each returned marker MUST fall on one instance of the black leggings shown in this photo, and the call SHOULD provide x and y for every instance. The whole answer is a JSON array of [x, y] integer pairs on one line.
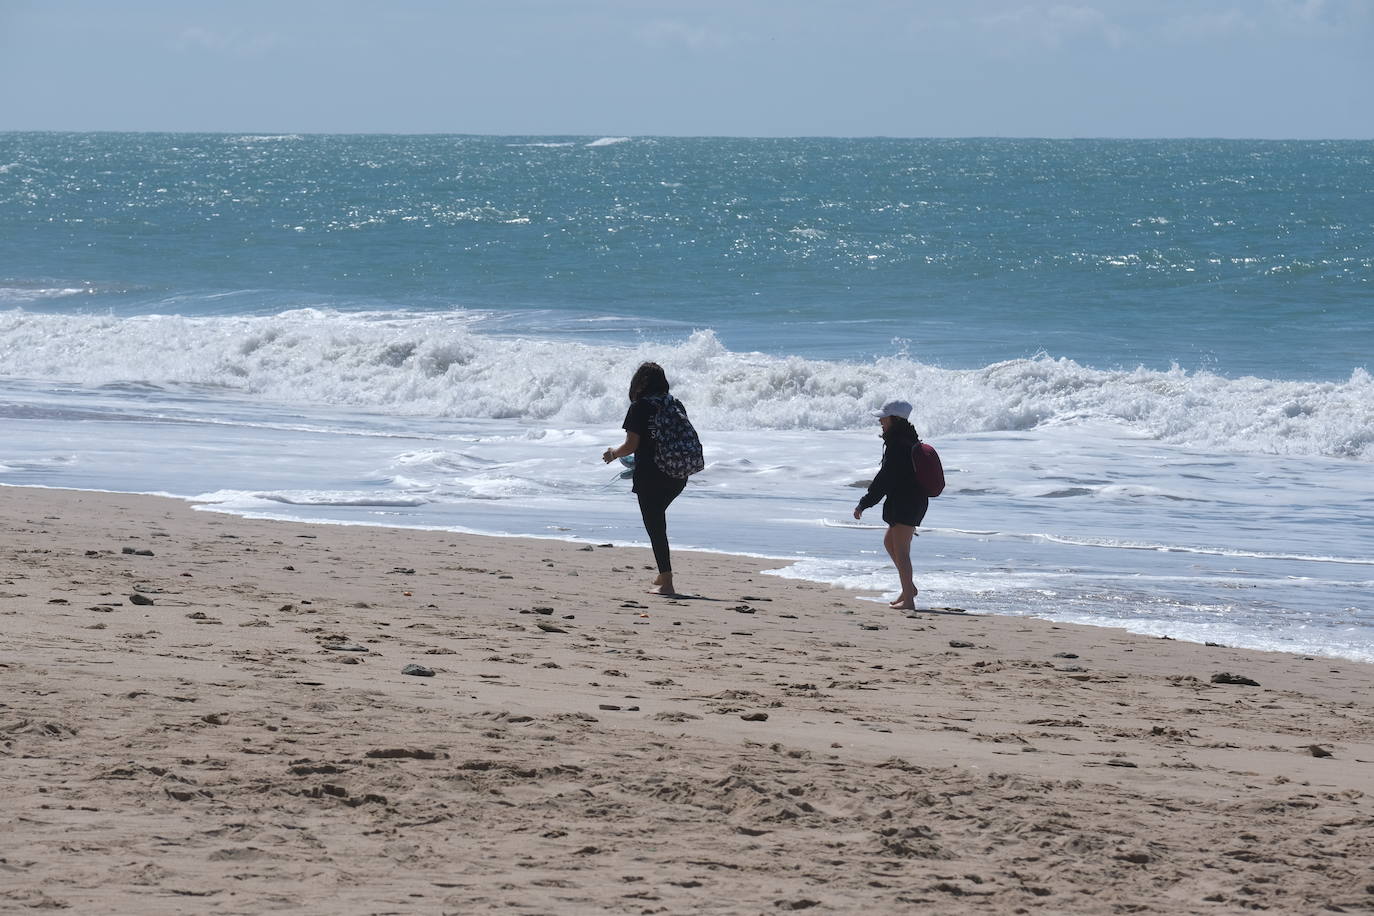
[[655, 496]]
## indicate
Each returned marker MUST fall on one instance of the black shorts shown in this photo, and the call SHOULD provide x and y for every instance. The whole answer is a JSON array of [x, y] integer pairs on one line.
[[910, 511]]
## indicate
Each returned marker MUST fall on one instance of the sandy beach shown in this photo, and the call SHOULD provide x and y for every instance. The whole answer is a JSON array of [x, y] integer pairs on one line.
[[205, 714]]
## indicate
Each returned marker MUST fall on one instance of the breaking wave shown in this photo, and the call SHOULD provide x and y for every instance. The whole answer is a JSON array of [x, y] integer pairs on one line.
[[423, 364]]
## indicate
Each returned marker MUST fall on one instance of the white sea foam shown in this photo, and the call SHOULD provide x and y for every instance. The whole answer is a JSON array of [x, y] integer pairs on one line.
[[15, 295], [265, 138], [316, 498], [608, 141], [423, 364]]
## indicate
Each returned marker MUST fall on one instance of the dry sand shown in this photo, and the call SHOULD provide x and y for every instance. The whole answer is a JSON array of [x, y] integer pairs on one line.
[[582, 747]]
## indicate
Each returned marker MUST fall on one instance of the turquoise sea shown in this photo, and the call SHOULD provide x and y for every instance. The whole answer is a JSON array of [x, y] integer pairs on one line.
[[1145, 362]]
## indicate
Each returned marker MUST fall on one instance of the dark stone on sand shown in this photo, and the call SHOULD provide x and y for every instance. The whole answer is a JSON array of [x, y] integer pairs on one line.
[[1226, 677], [1138, 858], [137, 553], [959, 644], [742, 609], [754, 716], [542, 610], [418, 671], [136, 598], [548, 627], [1118, 762], [405, 571], [1216, 645], [345, 647], [399, 753], [1065, 655], [1316, 750], [307, 769], [609, 707], [92, 553]]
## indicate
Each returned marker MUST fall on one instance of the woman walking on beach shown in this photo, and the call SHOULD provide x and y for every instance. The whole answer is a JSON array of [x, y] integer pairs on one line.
[[666, 451], [906, 500]]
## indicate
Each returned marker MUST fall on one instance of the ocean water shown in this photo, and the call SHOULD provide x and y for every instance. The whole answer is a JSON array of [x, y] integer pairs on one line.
[[1145, 363]]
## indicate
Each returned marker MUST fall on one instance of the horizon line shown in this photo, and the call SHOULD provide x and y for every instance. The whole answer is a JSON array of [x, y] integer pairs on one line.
[[651, 136]]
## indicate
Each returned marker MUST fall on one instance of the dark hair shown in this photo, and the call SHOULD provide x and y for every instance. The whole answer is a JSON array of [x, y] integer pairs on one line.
[[648, 381], [899, 429]]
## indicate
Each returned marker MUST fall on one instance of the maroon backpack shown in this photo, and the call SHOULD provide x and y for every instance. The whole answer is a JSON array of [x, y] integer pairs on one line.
[[930, 474]]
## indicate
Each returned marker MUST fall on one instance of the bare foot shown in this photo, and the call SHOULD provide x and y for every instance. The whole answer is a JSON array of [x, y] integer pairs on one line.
[[904, 602], [664, 581]]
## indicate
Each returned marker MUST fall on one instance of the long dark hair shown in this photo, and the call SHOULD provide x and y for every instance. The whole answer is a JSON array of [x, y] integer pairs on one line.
[[648, 381], [899, 429]]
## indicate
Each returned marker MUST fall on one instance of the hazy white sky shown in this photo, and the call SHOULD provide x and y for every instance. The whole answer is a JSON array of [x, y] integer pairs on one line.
[[911, 68]]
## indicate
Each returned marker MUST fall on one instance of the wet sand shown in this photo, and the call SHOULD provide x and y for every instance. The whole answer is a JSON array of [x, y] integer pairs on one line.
[[247, 740]]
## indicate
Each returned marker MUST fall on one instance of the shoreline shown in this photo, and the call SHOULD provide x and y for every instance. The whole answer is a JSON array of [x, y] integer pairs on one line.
[[774, 563], [248, 737]]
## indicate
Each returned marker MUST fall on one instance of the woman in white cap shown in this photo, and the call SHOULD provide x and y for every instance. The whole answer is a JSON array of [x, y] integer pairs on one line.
[[906, 502]]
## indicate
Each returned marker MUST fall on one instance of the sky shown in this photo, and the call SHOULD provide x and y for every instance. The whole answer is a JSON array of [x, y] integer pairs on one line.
[[1284, 69]]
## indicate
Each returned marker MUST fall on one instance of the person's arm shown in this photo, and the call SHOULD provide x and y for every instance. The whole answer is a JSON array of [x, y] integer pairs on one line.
[[625, 448], [877, 489]]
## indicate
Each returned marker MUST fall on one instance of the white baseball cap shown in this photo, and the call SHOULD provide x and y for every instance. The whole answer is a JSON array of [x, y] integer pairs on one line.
[[895, 409]]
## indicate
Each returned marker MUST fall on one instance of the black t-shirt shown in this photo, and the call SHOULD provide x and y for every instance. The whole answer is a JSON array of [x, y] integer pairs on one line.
[[637, 420]]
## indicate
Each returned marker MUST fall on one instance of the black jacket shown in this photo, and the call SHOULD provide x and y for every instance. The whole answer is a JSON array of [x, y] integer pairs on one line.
[[896, 478]]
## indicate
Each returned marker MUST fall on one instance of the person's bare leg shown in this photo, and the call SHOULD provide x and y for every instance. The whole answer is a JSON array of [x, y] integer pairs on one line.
[[898, 542], [889, 544]]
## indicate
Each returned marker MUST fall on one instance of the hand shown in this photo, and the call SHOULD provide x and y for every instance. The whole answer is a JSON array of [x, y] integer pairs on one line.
[[858, 513], [608, 456]]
